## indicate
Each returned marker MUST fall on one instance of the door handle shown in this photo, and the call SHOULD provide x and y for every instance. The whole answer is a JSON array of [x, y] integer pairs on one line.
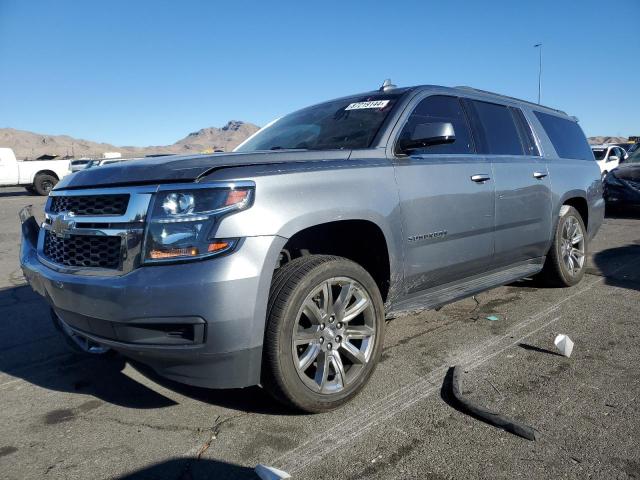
[[539, 175], [480, 178]]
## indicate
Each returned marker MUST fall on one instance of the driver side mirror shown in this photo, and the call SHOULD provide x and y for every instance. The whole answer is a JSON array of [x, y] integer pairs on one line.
[[426, 135]]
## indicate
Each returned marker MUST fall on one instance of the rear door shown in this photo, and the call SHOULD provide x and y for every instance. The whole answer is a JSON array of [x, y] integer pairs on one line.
[[523, 193], [447, 207]]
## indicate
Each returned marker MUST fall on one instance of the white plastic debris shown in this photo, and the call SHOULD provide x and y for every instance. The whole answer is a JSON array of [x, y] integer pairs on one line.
[[270, 473], [564, 344]]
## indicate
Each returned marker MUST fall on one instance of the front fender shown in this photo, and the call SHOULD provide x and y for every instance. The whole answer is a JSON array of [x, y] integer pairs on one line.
[[300, 196]]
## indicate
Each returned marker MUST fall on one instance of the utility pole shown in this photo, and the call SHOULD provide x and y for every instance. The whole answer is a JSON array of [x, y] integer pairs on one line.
[[539, 47]]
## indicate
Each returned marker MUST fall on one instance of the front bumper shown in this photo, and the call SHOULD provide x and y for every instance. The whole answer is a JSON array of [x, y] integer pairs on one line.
[[144, 314]]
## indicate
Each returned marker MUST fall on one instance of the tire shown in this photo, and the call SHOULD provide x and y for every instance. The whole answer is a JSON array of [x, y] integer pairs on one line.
[[557, 271], [298, 300], [44, 183], [30, 190]]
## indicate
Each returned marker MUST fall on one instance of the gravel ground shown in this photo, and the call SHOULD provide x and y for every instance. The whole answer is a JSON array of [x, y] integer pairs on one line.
[[66, 416]]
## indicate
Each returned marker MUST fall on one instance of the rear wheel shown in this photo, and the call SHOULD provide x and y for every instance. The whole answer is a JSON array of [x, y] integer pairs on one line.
[[30, 189], [324, 335], [566, 259], [44, 183]]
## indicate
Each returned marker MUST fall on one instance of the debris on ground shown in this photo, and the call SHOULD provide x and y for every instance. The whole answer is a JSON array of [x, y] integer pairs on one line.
[[214, 434], [488, 416], [474, 316], [564, 344], [270, 473], [493, 318], [477, 302]]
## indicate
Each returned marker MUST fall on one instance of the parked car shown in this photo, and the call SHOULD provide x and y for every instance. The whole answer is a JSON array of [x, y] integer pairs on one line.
[[632, 148], [277, 264], [103, 161], [80, 164], [622, 185], [37, 176], [608, 157]]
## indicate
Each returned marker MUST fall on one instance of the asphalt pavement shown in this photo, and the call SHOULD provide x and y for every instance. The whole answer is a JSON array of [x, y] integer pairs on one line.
[[68, 416]]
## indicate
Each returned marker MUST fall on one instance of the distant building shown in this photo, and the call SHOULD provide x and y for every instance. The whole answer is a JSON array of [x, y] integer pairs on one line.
[[111, 155]]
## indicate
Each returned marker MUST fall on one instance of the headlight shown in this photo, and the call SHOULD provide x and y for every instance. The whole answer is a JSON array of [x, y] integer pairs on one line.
[[182, 221]]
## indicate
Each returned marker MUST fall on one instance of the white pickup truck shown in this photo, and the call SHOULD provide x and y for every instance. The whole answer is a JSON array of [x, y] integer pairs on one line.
[[37, 176]]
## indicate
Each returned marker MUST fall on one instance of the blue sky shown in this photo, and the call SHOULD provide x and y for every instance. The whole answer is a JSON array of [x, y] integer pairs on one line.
[[150, 72]]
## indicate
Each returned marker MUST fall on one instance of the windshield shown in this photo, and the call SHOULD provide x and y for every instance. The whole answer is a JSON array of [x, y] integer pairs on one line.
[[340, 124], [599, 153]]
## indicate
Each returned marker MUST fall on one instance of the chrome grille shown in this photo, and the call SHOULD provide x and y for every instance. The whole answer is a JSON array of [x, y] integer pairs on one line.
[[95, 251], [90, 204]]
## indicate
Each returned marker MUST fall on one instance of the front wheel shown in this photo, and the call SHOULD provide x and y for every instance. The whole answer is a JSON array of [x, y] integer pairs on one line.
[[325, 330], [566, 259]]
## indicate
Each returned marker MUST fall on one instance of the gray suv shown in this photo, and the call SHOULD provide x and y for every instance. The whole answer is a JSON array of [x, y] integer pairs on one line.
[[277, 264]]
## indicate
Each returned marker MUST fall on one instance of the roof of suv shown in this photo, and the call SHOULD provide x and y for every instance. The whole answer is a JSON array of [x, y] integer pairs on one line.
[[465, 89], [460, 90]]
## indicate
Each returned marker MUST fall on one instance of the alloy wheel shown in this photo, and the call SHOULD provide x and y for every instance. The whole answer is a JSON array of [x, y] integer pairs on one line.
[[334, 335], [572, 245]]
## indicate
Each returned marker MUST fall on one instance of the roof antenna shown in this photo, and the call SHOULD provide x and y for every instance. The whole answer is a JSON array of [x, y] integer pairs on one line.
[[387, 85]]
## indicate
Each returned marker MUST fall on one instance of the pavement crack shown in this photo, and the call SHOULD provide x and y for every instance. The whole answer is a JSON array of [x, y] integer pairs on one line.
[[162, 428]]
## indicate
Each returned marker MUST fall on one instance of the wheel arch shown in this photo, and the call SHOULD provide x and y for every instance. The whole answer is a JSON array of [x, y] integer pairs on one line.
[[45, 172], [580, 203], [360, 240]]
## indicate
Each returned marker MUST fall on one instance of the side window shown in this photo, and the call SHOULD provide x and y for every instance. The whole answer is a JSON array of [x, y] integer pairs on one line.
[[441, 108], [526, 134], [566, 136], [619, 153], [498, 129]]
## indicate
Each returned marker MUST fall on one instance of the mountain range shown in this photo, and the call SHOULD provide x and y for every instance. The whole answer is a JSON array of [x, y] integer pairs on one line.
[[29, 145]]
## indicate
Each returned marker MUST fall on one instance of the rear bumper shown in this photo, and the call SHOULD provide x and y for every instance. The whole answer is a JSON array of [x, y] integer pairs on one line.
[[198, 323]]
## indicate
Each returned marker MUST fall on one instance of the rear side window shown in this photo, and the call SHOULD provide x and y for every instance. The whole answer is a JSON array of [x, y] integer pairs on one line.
[[498, 129], [566, 136], [441, 108]]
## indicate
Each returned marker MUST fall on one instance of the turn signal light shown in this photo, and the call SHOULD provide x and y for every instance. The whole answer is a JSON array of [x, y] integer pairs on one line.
[[217, 246], [236, 196]]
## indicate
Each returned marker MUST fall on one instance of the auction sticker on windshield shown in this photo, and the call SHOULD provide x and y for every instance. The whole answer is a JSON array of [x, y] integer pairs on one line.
[[371, 104]]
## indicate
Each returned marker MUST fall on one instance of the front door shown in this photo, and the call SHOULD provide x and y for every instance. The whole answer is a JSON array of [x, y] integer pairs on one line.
[[447, 201]]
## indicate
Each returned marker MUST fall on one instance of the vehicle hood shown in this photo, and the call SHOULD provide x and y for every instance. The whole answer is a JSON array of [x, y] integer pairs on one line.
[[171, 169], [628, 171]]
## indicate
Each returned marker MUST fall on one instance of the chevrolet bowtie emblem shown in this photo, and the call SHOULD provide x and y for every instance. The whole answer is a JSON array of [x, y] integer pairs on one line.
[[63, 224]]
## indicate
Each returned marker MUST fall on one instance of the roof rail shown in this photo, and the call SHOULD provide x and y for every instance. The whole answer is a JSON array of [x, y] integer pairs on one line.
[[464, 87]]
